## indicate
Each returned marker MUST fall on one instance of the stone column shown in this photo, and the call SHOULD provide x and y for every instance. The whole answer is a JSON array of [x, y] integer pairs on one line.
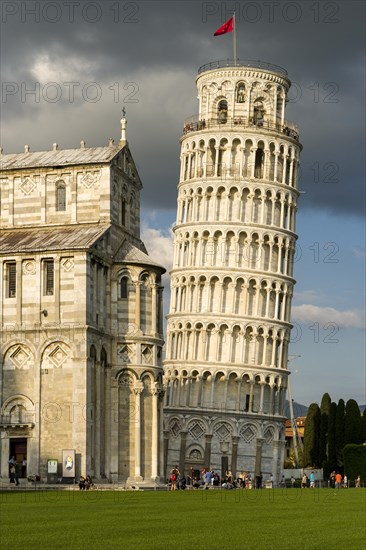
[[189, 167], [166, 448], [282, 213], [274, 347], [291, 171], [251, 382], [271, 394], [234, 455], [205, 163], [138, 306], [114, 443], [161, 433], [267, 163], [199, 400], [182, 453], [97, 420], [241, 161], [238, 392], [277, 291], [258, 457], [217, 156], [284, 171], [226, 383], [154, 309], [280, 358], [188, 392], [251, 166], [275, 170], [275, 462], [207, 457], [18, 294], [57, 289], [138, 391], [262, 384], [155, 434], [160, 310], [108, 419], [283, 111]]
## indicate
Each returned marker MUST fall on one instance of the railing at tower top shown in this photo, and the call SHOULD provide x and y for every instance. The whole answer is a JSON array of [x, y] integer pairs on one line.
[[193, 124], [251, 63]]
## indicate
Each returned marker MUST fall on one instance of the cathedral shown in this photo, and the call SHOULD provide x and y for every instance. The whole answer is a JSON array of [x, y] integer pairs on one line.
[[81, 317], [82, 383]]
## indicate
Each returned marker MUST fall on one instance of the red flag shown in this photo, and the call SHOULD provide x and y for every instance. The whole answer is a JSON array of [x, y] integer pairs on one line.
[[226, 27]]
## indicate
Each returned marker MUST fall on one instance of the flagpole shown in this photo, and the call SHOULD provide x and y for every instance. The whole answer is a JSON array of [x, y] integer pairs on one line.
[[234, 38]]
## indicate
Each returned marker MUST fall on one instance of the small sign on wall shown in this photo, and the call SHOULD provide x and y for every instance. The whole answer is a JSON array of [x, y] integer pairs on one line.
[[52, 466], [68, 463]]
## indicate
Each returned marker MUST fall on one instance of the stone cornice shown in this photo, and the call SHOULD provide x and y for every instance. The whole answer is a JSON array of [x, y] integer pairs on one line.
[[242, 73]]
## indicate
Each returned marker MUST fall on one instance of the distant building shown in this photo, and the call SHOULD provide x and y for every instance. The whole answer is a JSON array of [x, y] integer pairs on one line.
[[80, 315], [289, 435]]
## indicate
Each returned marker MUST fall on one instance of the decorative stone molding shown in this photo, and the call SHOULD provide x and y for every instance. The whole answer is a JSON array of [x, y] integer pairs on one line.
[[29, 267], [27, 185], [67, 264]]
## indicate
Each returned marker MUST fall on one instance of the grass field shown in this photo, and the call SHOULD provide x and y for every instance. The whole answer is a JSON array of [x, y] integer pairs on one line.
[[204, 520]]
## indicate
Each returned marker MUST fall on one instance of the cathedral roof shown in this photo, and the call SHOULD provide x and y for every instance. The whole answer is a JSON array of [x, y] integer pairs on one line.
[[130, 254], [51, 238], [83, 155]]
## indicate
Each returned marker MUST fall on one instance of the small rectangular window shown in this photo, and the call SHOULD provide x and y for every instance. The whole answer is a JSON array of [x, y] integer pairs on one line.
[[48, 277], [11, 276]]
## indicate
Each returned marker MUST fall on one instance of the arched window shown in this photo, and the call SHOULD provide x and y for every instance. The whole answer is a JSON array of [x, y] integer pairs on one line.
[[60, 196], [222, 112], [124, 287], [240, 93], [258, 112]]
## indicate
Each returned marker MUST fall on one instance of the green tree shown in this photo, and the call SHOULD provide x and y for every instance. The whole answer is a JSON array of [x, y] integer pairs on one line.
[[311, 436], [332, 453], [323, 429], [353, 424], [364, 425], [339, 432], [354, 461]]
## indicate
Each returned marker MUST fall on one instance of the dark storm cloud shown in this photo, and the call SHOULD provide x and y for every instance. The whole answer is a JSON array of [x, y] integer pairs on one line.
[[157, 46]]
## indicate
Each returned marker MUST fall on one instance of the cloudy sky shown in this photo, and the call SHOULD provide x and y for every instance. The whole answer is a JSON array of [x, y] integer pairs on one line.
[[68, 69]]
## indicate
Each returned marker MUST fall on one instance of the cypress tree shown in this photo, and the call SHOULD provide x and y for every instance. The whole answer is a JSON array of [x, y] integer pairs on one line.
[[323, 429], [353, 423], [339, 432], [332, 454], [364, 425], [311, 436]]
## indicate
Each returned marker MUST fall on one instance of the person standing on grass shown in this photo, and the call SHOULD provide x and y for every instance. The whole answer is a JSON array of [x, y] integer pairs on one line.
[[304, 481], [293, 481], [312, 480], [345, 482], [358, 482], [174, 477], [208, 478], [338, 480]]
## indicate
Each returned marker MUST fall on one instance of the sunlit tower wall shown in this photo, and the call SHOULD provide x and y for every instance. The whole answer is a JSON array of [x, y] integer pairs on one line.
[[232, 278]]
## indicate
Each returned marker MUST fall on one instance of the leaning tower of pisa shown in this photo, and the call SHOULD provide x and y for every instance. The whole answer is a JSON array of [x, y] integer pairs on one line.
[[232, 278]]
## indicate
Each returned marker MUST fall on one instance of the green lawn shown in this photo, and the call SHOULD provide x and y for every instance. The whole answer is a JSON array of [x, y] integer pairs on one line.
[[285, 519]]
